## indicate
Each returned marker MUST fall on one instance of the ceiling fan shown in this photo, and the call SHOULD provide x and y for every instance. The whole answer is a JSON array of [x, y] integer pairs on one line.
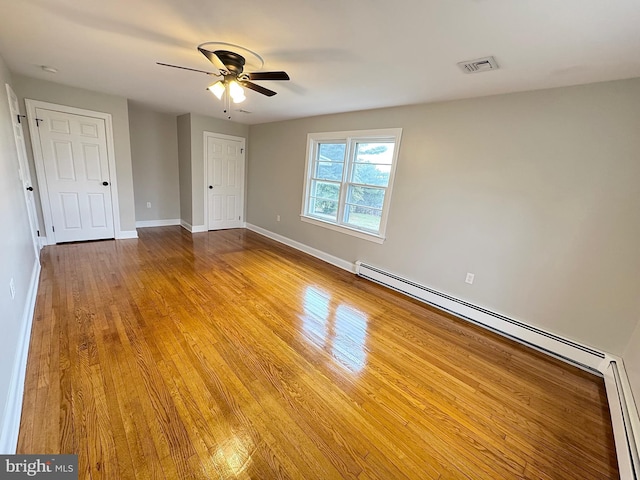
[[230, 66]]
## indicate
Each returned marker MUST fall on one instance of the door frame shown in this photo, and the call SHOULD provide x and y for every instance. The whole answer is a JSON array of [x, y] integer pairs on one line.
[[205, 185], [39, 160]]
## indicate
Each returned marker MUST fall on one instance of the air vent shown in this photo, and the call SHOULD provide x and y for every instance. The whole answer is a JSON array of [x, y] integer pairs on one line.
[[478, 65]]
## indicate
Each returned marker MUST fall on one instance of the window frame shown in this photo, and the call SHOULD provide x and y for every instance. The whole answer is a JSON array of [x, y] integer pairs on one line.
[[351, 139]]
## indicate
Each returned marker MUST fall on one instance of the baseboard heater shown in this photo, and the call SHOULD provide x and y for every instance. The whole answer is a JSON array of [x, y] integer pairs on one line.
[[624, 415], [624, 418], [567, 350]]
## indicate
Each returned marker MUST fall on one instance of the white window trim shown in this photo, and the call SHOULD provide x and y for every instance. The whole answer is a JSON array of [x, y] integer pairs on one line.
[[350, 137]]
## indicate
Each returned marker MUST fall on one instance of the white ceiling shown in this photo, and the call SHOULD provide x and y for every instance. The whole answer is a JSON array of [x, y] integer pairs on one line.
[[341, 55]]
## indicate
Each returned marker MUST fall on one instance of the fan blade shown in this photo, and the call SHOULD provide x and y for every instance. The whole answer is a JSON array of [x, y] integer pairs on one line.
[[258, 88], [268, 76], [213, 58], [184, 68]]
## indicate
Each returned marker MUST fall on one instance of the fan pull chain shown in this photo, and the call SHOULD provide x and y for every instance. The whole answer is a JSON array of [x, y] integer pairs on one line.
[[227, 102]]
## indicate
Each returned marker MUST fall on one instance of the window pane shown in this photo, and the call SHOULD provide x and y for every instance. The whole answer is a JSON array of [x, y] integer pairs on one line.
[[325, 190], [329, 171], [331, 152], [366, 218], [369, 197], [378, 152], [371, 174], [325, 209]]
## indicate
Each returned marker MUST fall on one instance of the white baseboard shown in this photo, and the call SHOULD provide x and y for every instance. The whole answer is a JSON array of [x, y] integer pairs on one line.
[[192, 228], [13, 411], [157, 223], [126, 234], [314, 252]]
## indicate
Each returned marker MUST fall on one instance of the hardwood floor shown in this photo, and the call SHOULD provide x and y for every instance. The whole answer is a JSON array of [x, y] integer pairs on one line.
[[227, 355]]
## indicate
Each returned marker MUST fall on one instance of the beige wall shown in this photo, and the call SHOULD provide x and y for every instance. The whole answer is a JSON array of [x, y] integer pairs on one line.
[[154, 157], [536, 193], [184, 167], [17, 256], [632, 364], [199, 125], [35, 89]]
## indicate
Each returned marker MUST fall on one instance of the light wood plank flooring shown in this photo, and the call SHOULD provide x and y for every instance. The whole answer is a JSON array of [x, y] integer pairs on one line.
[[227, 355]]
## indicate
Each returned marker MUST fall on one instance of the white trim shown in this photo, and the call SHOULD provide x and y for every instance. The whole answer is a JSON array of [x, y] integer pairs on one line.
[[38, 158], [191, 228], [126, 234], [157, 223], [13, 407], [314, 252], [231, 138]]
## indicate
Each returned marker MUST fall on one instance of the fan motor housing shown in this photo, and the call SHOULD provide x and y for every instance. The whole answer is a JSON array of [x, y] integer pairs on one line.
[[233, 61]]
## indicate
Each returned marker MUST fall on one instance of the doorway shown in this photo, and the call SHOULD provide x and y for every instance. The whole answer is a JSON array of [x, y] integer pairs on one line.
[[73, 152], [224, 162]]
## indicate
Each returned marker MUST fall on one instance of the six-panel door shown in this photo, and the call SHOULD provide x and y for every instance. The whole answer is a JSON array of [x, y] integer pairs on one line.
[[74, 150], [225, 182]]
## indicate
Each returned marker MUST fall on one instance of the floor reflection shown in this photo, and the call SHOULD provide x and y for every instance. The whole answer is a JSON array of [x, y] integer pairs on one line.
[[339, 329], [233, 456]]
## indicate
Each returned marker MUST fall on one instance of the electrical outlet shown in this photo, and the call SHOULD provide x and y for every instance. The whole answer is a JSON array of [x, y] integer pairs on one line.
[[148, 204], [12, 288], [277, 218], [470, 277]]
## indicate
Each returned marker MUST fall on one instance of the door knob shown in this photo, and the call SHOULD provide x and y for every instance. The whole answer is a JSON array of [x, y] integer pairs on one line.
[[105, 183], [210, 187], [30, 189]]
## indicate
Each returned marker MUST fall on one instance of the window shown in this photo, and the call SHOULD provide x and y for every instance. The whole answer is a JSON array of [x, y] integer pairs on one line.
[[348, 180]]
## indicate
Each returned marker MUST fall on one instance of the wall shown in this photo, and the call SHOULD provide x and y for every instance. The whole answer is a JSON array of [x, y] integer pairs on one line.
[[536, 193], [632, 364], [17, 261], [35, 89], [154, 157], [184, 167], [199, 125]]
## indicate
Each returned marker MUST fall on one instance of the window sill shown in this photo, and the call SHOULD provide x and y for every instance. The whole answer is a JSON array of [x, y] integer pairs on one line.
[[371, 237]]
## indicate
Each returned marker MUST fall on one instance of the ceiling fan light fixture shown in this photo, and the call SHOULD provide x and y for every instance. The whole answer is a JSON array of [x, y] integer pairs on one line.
[[239, 98], [217, 89], [236, 92]]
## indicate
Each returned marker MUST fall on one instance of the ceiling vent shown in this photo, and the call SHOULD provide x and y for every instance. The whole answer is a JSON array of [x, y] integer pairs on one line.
[[478, 65]]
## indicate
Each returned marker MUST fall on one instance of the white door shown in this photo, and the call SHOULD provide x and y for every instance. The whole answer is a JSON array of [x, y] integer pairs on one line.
[[76, 167], [23, 166], [224, 161]]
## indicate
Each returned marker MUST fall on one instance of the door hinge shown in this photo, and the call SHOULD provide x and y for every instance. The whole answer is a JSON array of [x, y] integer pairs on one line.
[[238, 218], [53, 228], [20, 116], [38, 232], [38, 120], [242, 150]]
